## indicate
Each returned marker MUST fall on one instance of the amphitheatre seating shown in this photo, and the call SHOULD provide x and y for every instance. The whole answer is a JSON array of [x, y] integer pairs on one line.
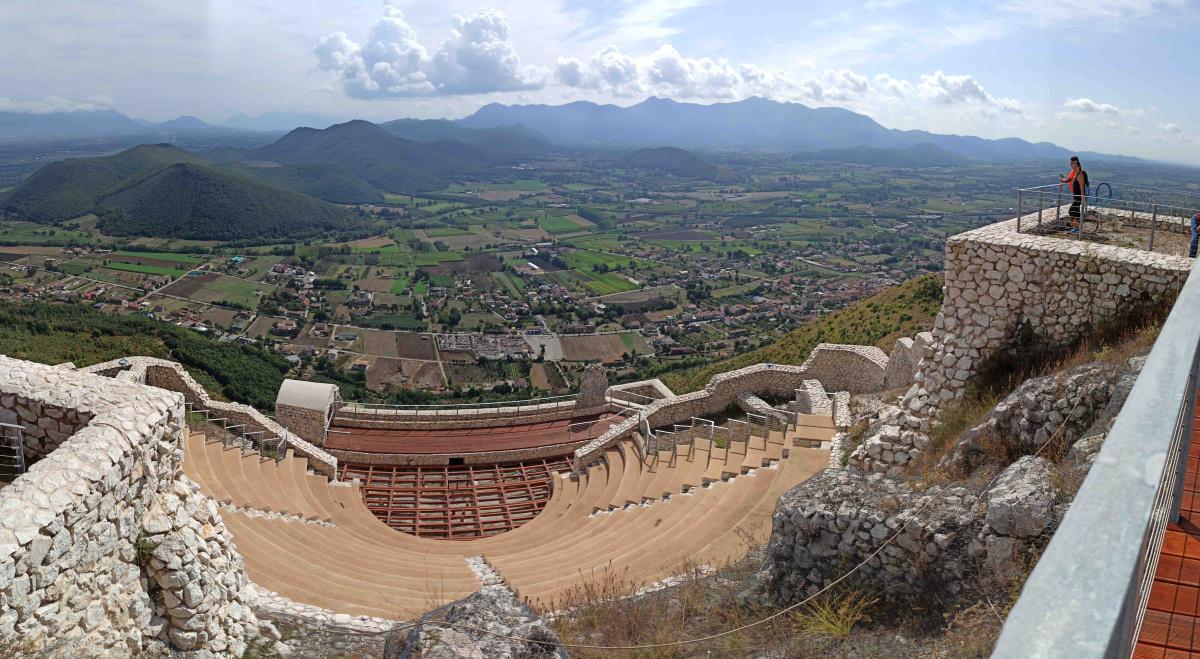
[[629, 518]]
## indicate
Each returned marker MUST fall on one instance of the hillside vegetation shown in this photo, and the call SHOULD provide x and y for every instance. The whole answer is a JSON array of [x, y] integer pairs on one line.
[[76, 186], [167, 192], [54, 334], [201, 203], [371, 153], [878, 320], [673, 161]]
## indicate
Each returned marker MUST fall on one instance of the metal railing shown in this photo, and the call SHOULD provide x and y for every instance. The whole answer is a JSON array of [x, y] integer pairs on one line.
[[1149, 210], [216, 428], [1088, 593], [527, 404], [12, 450]]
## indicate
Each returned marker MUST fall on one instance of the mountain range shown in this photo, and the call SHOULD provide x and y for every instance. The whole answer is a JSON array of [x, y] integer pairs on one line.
[[750, 124], [754, 124], [283, 188]]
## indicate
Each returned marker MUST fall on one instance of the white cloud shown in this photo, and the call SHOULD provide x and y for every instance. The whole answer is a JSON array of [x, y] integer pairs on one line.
[[1174, 129], [478, 58], [1089, 106], [609, 70], [51, 104], [944, 89]]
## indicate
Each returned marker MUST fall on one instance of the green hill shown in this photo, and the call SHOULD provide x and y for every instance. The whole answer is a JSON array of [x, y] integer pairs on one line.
[[670, 160], [73, 187], [328, 182], [53, 334], [499, 144], [200, 203], [878, 320], [372, 154]]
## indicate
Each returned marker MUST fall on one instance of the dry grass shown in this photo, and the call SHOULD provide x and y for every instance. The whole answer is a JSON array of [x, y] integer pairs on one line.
[[834, 615]]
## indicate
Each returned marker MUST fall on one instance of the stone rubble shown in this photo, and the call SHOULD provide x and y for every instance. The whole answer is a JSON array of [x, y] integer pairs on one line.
[[494, 609]]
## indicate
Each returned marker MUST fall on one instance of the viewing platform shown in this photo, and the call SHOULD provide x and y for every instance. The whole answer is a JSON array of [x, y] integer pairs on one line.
[[1121, 576], [1136, 217]]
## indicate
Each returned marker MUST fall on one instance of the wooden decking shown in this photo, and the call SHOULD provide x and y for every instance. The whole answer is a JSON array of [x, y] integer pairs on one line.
[[457, 502], [1172, 624]]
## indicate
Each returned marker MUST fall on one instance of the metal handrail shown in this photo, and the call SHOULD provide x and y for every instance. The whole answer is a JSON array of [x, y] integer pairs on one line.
[[556, 400], [13, 436], [1093, 207], [1090, 603]]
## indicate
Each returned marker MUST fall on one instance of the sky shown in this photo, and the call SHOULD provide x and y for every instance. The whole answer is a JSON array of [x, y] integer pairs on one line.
[[1116, 76]]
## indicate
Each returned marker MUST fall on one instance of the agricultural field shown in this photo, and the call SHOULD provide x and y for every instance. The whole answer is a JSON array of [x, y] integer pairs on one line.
[[220, 289], [604, 348], [562, 224]]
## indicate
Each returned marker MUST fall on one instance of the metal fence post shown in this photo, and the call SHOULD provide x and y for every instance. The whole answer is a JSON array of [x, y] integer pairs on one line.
[[1019, 195], [1058, 210], [1041, 204], [1153, 224]]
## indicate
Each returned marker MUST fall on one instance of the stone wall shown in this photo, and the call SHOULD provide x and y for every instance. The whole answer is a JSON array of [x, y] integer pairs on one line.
[[855, 369], [171, 376], [45, 426], [105, 549], [999, 280], [302, 421], [592, 386]]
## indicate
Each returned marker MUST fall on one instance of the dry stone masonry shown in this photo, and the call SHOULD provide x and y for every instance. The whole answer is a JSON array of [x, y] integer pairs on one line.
[[105, 549], [999, 281], [843, 368]]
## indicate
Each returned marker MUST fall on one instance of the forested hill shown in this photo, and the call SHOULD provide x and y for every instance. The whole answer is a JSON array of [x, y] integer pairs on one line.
[[878, 320], [70, 188], [53, 334], [673, 161], [163, 191], [371, 153], [201, 203]]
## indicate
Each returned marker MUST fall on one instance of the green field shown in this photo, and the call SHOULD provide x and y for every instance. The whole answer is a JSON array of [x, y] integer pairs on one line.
[[393, 321], [434, 258], [233, 291], [603, 284], [556, 224], [28, 233], [585, 260], [445, 232], [186, 259], [445, 281], [421, 288], [399, 285], [512, 283], [74, 267], [146, 269]]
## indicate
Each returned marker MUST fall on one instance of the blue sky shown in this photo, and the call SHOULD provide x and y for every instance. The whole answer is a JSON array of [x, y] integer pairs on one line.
[[1117, 76]]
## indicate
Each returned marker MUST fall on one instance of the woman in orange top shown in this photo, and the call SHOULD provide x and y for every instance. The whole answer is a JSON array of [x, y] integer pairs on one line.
[[1078, 181]]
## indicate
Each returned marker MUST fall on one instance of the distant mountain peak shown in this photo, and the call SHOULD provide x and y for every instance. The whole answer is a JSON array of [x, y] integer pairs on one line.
[[753, 123]]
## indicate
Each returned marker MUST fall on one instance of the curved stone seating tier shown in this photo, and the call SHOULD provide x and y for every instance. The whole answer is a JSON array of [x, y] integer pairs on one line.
[[631, 518]]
